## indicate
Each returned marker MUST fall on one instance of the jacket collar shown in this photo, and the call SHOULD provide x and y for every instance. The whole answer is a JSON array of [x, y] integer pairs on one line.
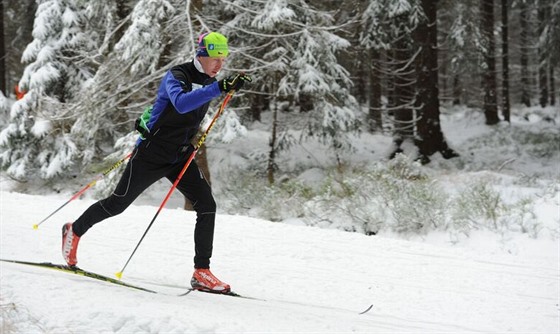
[[198, 65]]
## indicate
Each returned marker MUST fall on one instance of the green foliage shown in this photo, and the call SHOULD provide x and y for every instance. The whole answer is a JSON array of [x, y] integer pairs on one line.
[[476, 205], [539, 144], [408, 199], [397, 197], [534, 142], [250, 195]]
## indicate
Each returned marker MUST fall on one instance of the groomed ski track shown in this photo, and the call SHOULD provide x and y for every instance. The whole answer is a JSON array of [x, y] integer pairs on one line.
[[310, 279]]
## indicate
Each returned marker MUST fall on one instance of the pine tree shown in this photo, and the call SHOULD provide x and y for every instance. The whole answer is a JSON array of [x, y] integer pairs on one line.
[[18, 26], [2, 52], [548, 49], [388, 27], [4, 108], [553, 44], [290, 49], [430, 137], [37, 137], [125, 82], [460, 38]]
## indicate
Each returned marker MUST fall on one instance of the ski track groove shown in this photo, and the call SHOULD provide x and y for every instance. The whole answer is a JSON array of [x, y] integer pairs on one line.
[[413, 287]]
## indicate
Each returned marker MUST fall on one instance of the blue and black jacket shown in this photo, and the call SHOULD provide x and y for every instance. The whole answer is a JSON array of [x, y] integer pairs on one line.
[[182, 101]]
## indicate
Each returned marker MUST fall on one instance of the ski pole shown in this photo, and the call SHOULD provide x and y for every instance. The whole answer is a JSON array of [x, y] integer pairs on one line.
[[187, 164], [89, 185]]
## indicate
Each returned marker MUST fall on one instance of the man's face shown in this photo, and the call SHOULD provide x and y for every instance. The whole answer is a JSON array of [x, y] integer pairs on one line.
[[212, 65]]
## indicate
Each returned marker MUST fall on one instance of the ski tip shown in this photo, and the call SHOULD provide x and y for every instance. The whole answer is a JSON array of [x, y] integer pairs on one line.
[[35, 227], [119, 274]]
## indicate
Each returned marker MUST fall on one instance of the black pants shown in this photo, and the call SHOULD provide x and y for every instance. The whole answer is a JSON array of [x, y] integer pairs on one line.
[[145, 168]]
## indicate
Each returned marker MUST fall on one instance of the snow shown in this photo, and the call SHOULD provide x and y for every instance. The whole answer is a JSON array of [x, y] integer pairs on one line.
[[41, 127], [305, 279], [274, 12], [311, 279]]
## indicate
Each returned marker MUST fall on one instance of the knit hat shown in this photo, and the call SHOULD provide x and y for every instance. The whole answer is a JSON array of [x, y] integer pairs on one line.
[[212, 44]]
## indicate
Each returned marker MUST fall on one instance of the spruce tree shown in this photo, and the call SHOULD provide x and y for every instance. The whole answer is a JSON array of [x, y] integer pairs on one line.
[[290, 48], [37, 138]]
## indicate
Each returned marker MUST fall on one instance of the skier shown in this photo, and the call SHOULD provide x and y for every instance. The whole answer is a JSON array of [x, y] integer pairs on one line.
[[181, 103]]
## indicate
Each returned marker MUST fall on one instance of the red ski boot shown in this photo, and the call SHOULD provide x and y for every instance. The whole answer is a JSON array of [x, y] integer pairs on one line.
[[204, 280], [69, 245]]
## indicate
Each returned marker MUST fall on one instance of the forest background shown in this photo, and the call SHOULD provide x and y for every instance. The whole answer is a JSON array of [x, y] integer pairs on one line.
[[324, 71]]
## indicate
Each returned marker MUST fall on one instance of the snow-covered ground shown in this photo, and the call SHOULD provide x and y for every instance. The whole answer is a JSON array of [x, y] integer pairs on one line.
[[306, 279], [312, 280]]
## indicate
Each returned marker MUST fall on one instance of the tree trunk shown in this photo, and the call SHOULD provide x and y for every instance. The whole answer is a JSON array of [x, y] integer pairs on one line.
[[17, 24], [403, 93], [489, 62], [3, 55], [505, 62], [196, 8], [123, 9], [375, 119], [524, 48], [543, 56], [305, 102], [271, 165], [552, 87], [259, 103], [360, 81], [456, 90], [430, 137]]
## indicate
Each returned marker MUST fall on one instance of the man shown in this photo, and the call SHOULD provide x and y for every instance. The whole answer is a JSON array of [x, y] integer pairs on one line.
[[182, 101]]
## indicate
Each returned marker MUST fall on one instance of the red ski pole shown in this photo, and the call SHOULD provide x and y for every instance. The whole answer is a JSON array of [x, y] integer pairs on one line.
[[89, 185], [185, 167]]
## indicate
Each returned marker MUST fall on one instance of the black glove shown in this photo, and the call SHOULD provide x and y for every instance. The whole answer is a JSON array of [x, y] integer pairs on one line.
[[234, 82]]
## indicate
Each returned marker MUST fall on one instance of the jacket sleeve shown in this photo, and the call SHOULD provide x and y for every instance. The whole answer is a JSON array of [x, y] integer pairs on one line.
[[185, 101]]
